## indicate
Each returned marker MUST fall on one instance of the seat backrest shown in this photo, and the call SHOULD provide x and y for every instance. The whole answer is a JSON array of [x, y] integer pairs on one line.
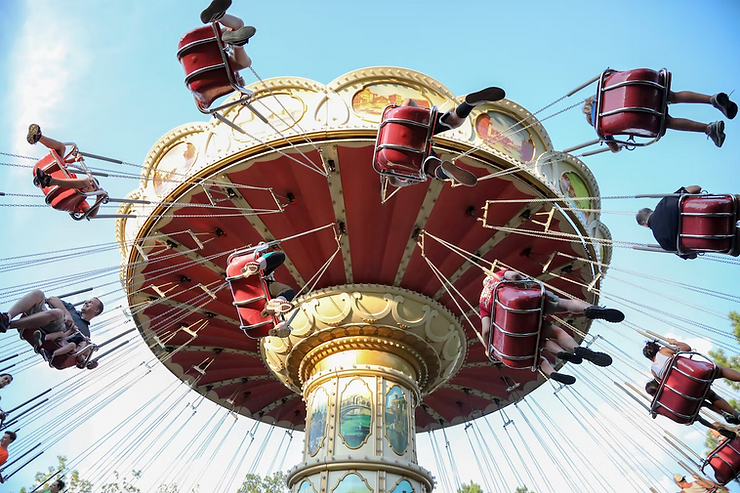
[[517, 320], [707, 223], [250, 297], [685, 386], [60, 362], [725, 461], [627, 94], [60, 198], [404, 141], [205, 71]]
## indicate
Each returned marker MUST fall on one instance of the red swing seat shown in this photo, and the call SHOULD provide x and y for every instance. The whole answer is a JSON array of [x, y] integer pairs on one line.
[[707, 223], [251, 295], [60, 362], [208, 72], [684, 388], [725, 461], [632, 104], [404, 141], [517, 312], [64, 199]]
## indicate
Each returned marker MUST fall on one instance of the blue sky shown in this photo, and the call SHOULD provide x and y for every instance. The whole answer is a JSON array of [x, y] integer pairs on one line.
[[104, 74]]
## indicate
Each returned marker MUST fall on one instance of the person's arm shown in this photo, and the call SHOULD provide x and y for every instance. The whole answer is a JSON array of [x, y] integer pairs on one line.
[[682, 346], [705, 483], [613, 146], [485, 328], [693, 189]]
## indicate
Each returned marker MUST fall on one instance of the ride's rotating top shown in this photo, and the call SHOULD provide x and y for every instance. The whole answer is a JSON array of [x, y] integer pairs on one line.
[[220, 186]]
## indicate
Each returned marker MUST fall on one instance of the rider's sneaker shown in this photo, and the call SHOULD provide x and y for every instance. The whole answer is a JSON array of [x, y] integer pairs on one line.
[[729, 434], [215, 11], [564, 379], [38, 340], [722, 102], [250, 268], [731, 418], [240, 37], [461, 176], [570, 357], [609, 314], [599, 359], [277, 307], [716, 132], [34, 133], [41, 179], [485, 96], [281, 330]]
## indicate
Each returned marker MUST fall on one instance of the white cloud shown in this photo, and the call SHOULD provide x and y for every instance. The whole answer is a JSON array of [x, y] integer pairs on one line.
[[46, 61]]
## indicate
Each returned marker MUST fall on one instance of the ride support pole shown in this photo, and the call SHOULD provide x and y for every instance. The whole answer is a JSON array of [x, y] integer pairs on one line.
[[596, 151], [9, 357], [29, 400], [647, 408], [581, 146], [585, 84], [102, 158], [72, 293], [16, 418]]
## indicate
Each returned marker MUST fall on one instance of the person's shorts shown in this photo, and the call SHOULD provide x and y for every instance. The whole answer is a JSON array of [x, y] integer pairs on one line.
[[56, 325], [440, 125]]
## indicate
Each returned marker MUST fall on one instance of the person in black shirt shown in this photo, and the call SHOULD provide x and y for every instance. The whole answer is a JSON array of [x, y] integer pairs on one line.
[[663, 221], [51, 323]]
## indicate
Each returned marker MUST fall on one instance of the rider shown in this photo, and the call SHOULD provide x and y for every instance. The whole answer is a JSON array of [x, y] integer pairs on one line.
[[50, 324], [236, 34], [662, 355], [712, 401], [698, 486], [663, 221], [714, 130], [281, 294], [44, 180], [557, 341], [434, 167]]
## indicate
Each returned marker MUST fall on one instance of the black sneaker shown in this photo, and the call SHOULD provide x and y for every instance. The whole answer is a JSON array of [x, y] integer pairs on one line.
[[41, 179], [461, 176], [564, 379], [570, 357], [609, 314], [34, 133], [4, 322], [731, 418], [729, 434], [599, 359], [215, 11], [38, 340], [485, 96], [722, 102], [240, 37], [716, 132]]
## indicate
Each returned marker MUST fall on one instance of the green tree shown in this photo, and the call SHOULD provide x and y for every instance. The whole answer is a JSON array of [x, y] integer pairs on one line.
[[721, 359], [254, 483], [470, 488], [72, 480], [522, 489]]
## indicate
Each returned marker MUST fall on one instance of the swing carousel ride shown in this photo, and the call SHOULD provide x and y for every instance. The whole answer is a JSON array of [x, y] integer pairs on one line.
[[383, 341], [382, 344]]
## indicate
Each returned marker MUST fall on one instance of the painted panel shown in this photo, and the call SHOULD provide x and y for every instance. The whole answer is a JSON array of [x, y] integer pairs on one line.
[[397, 419], [368, 103], [352, 483], [403, 486], [355, 413], [502, 132], [306, 487], [573, 186], [317, 430]]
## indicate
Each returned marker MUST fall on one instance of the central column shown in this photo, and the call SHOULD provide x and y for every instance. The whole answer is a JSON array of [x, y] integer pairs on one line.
[[363, 356]]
